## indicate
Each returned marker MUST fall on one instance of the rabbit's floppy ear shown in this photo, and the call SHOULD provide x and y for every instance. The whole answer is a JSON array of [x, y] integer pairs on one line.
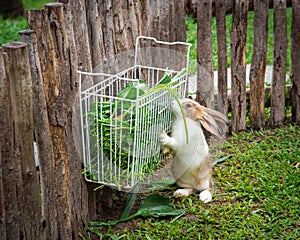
[[207, 119]]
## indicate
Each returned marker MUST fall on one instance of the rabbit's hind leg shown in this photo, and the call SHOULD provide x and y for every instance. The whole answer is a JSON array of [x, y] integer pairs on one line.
[[183, 192], [208, 186]]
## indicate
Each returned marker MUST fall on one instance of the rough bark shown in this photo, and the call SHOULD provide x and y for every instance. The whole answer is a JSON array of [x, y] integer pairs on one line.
[[43, 138], [295, 62], [222, 59], [279, 64], [11, 163], [258, 64], [60, 86], [21, 94], [3, 94], [238, 64], [205, 83], [77, 29], [164, 20], [113, 28]]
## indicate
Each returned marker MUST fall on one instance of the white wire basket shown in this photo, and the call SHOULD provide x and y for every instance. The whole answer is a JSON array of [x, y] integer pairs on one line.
[[123, 114]]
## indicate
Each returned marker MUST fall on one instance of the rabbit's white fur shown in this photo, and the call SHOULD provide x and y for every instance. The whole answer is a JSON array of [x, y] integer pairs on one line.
[[191, 164]]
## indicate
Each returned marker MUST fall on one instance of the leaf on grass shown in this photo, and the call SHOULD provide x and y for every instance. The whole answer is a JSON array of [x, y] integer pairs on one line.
[[222, 159], [159, 184], [154, 205]]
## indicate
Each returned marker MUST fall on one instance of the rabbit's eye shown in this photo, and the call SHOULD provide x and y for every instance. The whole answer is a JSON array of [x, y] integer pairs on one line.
[[187, 105]]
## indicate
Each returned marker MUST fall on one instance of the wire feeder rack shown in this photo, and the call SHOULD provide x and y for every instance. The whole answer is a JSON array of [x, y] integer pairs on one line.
[[120, 136]]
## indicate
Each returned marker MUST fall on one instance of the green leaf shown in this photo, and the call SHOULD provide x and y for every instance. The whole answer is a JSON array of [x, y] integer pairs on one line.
[[132, 90], [221, 159], [154, 205], [165, 79]]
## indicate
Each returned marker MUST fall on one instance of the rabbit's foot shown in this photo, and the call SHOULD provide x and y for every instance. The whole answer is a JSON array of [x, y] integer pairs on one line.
[[184, 192], [205, 196]]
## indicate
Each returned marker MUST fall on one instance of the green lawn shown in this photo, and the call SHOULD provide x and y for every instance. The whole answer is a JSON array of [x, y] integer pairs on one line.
[[257, 195]]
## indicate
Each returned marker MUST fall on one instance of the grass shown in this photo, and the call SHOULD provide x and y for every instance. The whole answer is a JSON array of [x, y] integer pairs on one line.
[[257, 195], [9, 28], [192, 38]]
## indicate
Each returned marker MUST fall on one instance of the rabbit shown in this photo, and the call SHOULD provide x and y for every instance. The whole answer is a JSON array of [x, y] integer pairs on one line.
[[191, 165]]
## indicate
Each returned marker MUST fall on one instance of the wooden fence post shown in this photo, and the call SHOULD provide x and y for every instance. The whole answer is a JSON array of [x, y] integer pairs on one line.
[[18, 73], [258, 64], [222, 60], [61, 90], [279, 64], [43, 138], [205, 74], [295, 62], [238, 37], [3, 95]]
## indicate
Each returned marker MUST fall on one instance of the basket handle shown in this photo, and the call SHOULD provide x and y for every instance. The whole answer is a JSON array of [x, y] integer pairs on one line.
[[137, 46]]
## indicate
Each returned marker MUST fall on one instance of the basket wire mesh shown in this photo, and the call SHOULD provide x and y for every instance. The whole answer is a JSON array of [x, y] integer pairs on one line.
[[120, 135]]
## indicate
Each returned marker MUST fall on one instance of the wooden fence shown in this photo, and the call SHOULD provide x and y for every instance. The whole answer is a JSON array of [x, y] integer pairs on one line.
[[39, 87]]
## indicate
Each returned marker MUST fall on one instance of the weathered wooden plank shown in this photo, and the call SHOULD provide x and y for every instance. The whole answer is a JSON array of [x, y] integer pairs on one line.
[[238, 37], [77, 28], [11, 162], [222, 60], [21, 94], [67, 164], [295, 63], [258, 64], [205, 82], [61, 89], [43, 138], [279, 63], [3, 88]]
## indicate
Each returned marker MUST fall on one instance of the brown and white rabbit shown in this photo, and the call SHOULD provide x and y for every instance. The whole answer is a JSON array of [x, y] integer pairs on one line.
[[191, 164]]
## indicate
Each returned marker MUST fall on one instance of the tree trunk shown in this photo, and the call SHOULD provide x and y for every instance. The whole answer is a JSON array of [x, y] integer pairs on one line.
[[279, 64], [205, 79], [238, 64], [258, 64], [222, 60], [295, 62], [11, 8]]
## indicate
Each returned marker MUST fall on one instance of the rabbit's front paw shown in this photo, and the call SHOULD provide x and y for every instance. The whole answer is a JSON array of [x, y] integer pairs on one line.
[[205, 196], [164, 138]]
